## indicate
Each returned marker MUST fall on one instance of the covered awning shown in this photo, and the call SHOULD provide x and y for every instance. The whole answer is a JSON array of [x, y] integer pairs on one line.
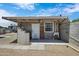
[[37, 18]]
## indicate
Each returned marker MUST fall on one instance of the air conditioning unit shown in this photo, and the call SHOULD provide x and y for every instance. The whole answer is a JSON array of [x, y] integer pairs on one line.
[[56, 35]]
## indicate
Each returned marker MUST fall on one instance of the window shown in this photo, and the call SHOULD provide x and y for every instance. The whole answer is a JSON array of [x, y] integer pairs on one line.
[[48, 26]]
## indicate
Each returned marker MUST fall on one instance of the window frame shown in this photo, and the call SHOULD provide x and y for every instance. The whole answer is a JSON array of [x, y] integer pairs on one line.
[[45, 26]]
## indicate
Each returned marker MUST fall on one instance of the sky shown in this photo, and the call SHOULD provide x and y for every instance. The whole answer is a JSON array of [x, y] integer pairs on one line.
[[38, 9]]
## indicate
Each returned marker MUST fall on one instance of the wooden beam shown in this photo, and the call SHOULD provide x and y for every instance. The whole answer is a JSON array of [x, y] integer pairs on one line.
[[28, 21]]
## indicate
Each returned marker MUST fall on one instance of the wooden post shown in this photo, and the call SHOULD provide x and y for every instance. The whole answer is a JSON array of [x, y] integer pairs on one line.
[[41, 29]]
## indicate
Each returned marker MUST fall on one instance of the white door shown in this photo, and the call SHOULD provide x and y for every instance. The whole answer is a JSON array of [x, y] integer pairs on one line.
[[35, 31]]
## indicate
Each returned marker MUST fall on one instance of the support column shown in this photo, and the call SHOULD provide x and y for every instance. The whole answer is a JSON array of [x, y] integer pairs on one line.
[[53, 26], [41, 29]]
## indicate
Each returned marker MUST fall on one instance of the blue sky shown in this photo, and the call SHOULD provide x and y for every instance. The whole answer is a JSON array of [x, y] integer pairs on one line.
[[38, 9]]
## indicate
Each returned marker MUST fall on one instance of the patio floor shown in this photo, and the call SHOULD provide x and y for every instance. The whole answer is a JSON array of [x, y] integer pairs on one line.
[[48, 40], [39, 50]]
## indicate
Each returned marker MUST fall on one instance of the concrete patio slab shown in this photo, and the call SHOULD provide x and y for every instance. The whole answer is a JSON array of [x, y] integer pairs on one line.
[[27, 47], [49, 50]]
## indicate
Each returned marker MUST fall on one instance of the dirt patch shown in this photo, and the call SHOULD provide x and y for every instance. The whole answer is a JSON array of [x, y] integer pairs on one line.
[[8, 38]]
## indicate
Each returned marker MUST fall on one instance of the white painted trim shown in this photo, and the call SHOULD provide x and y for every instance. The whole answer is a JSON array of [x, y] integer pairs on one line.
[[51, 43], [55, 27]]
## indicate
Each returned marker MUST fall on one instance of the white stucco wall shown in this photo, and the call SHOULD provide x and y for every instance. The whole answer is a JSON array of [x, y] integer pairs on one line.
[[23, 37]]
